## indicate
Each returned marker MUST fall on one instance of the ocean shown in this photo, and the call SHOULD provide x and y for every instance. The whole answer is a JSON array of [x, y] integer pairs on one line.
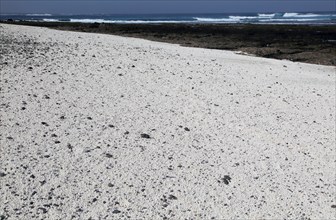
[[254, 18]]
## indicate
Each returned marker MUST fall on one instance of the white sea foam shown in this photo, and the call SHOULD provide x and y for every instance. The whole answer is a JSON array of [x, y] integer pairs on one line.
[[297, 15], [237, 18], [266, 15], [50, 20], [38, 15], [288, 19], [230, 19], [214, 19]]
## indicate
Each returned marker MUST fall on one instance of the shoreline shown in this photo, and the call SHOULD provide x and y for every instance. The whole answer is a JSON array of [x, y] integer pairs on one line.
[[298, 43]]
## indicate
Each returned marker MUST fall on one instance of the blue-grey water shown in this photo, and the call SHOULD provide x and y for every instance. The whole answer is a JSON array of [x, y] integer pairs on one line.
[[257, 18]]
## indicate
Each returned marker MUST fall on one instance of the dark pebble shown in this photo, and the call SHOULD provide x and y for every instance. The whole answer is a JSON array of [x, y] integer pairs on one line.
[[172, 197], [145, 136], [116, 211], [226, 179], [43, 210], [2, 174], [44, 123], [108, 155], [187, 129], [333, 206]]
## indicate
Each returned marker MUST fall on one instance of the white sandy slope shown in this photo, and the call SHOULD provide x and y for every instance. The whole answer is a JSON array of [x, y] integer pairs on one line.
[[71, 145]]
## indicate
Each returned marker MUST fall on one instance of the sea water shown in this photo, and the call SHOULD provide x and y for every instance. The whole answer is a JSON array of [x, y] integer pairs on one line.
[[255, 18]]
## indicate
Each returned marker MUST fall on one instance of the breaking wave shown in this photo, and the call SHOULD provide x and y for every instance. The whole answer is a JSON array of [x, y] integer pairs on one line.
[[271, 18], [39, 15], [261, 18]]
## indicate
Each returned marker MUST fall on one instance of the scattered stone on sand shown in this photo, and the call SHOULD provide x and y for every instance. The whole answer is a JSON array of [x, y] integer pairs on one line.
[[145, 136], [108, 155], [92, 149], [226, 179]]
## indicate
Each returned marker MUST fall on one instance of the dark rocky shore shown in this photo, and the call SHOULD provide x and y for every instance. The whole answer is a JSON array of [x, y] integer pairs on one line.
[[301, 43]]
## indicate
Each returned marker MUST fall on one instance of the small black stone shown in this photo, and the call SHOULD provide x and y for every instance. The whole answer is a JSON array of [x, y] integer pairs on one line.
[[172, 197], [2, 174], [145, 136], [110, 185], [44, 123], [116, 211], [30, 68], [111, 126], [226, 179], [43, 210], [108, 155], [89, 118], [333, 206], [187, 129]]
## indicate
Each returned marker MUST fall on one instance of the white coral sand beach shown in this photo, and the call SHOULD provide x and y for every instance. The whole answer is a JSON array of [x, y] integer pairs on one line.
[[98, 126]]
